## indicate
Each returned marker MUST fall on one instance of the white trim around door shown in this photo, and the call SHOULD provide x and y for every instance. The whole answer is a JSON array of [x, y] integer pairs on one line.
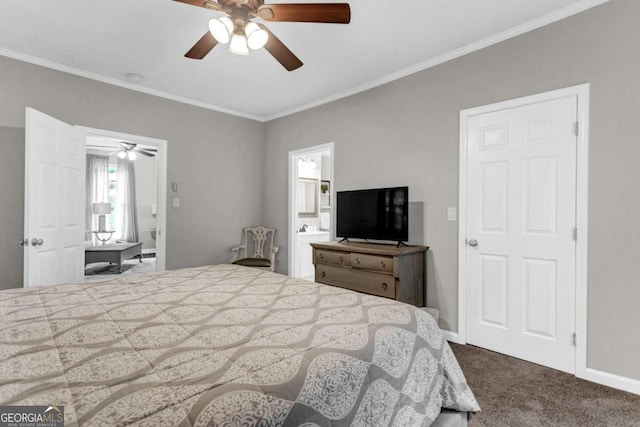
[[161, 205], [582, 94]]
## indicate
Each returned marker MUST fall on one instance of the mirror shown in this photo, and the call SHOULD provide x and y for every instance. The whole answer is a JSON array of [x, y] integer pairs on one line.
[[307, 197]]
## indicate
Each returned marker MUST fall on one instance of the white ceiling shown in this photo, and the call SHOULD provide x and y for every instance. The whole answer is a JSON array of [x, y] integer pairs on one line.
[[385, 40]]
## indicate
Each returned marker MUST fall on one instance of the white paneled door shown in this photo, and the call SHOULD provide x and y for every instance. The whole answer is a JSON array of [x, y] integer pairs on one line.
[[521, 217], [54, 195]]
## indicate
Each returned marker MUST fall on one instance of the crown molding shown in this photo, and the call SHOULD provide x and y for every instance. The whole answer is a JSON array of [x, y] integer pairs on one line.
[[115, 82], [454, 54]]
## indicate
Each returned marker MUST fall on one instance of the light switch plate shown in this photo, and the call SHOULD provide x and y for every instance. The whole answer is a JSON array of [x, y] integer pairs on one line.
[[176, 202], [452, 214]]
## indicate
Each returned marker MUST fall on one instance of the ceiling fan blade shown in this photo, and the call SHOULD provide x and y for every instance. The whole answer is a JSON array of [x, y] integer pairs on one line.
[[207, 4], [202, 47], [199, 3], [279, 51], [150, 152], [332, 13]]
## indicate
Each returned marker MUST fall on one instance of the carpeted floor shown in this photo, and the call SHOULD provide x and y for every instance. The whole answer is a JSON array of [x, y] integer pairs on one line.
[[512, 392]]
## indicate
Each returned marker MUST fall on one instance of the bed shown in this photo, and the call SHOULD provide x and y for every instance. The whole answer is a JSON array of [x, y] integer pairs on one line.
[[226, 345]]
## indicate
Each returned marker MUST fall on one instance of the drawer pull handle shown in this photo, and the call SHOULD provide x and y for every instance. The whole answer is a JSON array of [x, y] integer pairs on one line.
[[322, 274], [321, 255], [384, 286], [341, 258], [383, 264], [358, 260]]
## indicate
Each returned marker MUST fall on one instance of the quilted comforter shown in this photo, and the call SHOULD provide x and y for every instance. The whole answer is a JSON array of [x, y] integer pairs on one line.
[[224, 345]]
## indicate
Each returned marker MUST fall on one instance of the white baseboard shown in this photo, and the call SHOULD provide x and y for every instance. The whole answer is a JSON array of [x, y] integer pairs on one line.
[[451, 336], [600, 377], [611, 380]]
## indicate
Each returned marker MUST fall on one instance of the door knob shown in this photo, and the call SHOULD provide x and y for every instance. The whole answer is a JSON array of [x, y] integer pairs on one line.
[[473, 243], [36, 242], [24, 242]]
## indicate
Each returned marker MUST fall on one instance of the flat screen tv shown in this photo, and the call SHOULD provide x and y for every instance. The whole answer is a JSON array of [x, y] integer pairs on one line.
[[376, 214]]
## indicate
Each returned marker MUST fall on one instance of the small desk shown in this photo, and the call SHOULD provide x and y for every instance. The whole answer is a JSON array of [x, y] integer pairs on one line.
[[114, 253]]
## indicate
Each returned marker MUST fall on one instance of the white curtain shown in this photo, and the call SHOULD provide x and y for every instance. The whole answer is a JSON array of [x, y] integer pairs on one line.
[[127, 217], [97, 189]]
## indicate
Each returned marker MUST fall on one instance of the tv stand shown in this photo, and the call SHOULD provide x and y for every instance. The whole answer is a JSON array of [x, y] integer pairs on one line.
[[344, 239], [384, 270]]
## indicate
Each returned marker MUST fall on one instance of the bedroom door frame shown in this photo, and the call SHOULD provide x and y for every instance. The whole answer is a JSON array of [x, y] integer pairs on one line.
[[582, 191], [161, 202], [293, 178]]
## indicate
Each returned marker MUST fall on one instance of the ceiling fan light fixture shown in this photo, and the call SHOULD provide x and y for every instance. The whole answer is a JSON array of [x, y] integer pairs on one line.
[[221, 29], [256, 36], [238, 44], [131, 155], [122, 154]]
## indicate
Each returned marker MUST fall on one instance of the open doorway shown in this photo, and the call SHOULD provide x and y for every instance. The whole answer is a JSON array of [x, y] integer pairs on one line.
[[55, 227], [311, 198], [123, 207]]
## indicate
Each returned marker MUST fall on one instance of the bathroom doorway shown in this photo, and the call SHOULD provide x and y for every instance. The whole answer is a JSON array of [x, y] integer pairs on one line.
[[311, 205]]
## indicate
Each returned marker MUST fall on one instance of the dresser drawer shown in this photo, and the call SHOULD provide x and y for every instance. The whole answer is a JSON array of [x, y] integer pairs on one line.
[[371, 262], [322, 256], [379, 284]]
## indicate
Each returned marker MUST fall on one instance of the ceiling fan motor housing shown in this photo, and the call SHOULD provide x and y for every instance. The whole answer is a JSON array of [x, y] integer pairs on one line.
[[248, 7]]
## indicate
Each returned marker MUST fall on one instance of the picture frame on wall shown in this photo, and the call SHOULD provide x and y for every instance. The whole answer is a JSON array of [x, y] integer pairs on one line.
[[325, 187]]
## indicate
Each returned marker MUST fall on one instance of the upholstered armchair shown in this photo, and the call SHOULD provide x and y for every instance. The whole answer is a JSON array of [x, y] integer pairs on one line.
[[256, 248]]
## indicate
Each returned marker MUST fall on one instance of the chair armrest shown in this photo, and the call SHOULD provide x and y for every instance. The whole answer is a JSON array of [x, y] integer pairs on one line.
[[236, 251]]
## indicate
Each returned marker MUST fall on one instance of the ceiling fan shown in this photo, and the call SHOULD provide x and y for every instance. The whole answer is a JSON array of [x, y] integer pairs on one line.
[[242, 34], [131, 149]]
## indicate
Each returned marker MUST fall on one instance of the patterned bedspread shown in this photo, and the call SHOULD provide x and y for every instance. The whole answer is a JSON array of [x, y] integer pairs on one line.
[[224, 345]]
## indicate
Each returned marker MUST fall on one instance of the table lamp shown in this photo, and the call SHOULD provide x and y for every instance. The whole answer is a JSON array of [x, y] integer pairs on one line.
[[101, 209]]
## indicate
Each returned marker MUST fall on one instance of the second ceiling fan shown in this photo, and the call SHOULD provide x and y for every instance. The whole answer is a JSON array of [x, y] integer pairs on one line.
[[242, 34], [129, 150]]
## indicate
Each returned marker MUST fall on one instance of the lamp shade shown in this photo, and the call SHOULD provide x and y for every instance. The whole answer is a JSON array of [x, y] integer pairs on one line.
[[256, 36], [101, 208], [238, 44], [221, 29]]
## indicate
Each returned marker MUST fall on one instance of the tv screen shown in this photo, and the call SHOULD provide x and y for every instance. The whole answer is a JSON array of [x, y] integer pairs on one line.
[[377, 214]]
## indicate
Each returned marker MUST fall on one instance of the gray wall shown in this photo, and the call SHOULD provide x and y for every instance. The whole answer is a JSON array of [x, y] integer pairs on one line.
[[11, 206], [406, 133], [216, 158]]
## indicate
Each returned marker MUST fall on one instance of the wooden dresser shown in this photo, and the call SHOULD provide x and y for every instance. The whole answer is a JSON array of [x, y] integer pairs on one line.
[[378, 269]]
